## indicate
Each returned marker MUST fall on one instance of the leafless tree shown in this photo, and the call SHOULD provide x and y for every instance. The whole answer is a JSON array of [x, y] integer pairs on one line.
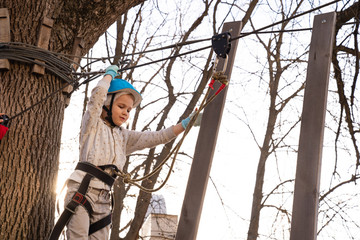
[[171, 88], [333, 207]]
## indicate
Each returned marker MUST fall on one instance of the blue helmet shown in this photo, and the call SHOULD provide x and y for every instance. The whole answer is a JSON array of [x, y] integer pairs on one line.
[[119, 85]]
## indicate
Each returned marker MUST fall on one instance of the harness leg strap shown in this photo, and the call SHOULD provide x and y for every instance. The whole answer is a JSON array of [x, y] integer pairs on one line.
[[94, 227], [60, 224], [77, 199]]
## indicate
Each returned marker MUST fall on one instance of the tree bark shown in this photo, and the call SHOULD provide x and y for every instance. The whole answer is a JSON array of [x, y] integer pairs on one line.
[[29, 155], [30, 151]]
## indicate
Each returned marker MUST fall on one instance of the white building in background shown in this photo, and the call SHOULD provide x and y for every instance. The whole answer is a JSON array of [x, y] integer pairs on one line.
[[158, 225]]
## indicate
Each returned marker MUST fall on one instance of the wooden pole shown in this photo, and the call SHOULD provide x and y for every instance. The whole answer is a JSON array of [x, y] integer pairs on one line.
[[4, 34], [43, 42], [307, 181], [205, 147]]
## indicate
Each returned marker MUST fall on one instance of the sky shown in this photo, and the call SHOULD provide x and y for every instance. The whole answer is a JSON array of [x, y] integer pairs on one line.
[[227, 206]]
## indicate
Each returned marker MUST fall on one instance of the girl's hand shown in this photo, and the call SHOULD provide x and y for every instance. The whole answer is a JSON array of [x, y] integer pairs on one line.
[[112, 71]]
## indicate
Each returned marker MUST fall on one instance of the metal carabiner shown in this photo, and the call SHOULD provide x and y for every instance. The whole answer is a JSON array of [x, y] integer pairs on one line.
[[216, 62]]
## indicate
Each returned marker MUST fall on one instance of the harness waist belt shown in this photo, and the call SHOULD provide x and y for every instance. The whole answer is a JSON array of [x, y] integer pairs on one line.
[[96, 172]]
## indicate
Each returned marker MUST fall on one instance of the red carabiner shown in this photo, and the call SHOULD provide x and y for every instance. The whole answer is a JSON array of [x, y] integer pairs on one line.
[[220, 89], [211, 84]]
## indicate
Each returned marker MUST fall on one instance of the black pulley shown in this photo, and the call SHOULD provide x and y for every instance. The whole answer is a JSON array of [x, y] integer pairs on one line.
[[221, 44]]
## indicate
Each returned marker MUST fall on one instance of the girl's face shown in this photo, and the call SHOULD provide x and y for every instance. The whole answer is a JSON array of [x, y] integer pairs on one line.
[[121, 109]]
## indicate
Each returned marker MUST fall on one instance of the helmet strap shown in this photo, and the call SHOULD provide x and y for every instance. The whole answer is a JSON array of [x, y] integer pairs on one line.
[[109, 111]]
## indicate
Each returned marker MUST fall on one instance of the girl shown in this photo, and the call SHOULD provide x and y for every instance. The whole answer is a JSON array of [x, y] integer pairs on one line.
[[104, 145]]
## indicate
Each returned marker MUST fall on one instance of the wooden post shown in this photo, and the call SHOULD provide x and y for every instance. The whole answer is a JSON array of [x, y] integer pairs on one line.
[[43, 42], [76, 52], [307, 182], [205, 147], [4, 34]]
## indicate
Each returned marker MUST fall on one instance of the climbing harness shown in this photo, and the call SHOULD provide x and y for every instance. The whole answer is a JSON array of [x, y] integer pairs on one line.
[[79, 198]]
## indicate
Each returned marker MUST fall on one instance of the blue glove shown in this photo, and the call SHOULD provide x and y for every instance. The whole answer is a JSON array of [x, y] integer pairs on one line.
[[186, 121], [112, 71]]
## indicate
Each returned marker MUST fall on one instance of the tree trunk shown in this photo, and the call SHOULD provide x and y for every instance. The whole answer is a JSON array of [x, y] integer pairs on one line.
[[274, 79], [259, 183], [29, 152]]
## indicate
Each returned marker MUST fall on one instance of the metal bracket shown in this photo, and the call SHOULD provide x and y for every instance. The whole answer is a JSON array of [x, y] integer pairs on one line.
[[216, 62], [221, 44]]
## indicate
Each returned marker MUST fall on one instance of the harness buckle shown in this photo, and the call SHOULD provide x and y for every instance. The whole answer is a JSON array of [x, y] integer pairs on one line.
[[79, 198], [70, 210]]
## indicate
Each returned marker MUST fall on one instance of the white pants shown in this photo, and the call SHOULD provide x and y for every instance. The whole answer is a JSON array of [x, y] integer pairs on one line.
[[78, 226]]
